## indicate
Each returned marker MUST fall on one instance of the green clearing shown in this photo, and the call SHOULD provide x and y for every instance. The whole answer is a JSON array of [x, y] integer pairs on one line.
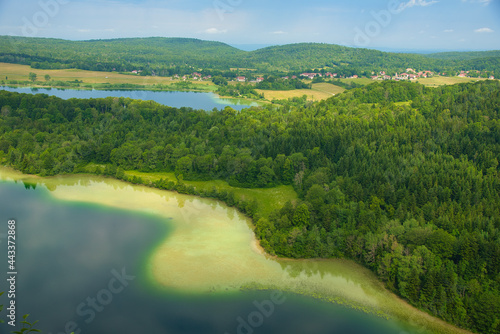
[[268, 199]]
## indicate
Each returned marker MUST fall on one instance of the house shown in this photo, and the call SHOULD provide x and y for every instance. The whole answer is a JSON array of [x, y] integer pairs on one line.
[[375, 77], [382, 72], [241, 79], [386, 77], [411, 70], [310, 75], [259, 79], [413, 76], [285, 78], [491, 78], [462, 75], [402, 76], [294, 77], [134, 71]]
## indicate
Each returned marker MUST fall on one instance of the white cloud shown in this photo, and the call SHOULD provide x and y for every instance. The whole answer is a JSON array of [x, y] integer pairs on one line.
[[416, 3], [483, 30], [449, 30], [279, 32], [215, 31], [481, 2]]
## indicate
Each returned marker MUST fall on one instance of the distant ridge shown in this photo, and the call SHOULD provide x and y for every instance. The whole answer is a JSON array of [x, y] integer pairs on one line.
[[455, 55], [165, 56]]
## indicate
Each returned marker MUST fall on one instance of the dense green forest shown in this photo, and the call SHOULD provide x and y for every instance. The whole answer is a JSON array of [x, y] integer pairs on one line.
[[163, 56], [399, 177], [170, 56], [274, 83], [465, 55]]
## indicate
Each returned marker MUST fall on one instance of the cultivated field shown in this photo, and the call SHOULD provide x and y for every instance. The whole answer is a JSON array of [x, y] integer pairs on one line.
[[21, 72], [440, 81], [361, 81], [320, 91]]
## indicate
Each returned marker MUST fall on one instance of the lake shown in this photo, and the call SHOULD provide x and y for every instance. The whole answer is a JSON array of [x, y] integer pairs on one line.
[[169, 263], [195, 100]]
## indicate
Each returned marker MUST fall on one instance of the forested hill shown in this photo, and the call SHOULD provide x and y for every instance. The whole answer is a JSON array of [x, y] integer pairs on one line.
[[399, 177], [464, 55], [315, 55], [168, 56], [125, 54]]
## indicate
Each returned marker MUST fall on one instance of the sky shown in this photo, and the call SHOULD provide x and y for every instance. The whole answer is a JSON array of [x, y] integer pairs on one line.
[[391, 25]]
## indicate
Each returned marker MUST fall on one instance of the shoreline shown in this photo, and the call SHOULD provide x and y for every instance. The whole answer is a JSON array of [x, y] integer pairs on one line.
[[315, 284], [248, 102]]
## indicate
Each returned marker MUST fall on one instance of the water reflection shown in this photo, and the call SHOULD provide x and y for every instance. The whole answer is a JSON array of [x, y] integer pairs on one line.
[[195, 100], [209, 248]]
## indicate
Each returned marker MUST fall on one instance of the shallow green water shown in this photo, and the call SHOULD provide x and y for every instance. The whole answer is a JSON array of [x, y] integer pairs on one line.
[[189, 257]]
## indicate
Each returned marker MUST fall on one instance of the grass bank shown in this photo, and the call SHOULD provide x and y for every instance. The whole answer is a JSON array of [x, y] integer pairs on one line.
[[268, 199]]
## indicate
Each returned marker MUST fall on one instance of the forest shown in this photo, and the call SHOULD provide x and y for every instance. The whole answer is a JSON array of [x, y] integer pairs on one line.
[[274, 83], [171, 56], [399, 177]]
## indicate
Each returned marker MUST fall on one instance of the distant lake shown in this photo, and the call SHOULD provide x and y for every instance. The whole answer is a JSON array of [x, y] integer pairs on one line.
[[195, 100]]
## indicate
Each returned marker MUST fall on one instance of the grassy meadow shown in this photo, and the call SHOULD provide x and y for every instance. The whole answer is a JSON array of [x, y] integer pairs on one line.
[[21, 73], [319, 91], [268, 199], [440, 81]]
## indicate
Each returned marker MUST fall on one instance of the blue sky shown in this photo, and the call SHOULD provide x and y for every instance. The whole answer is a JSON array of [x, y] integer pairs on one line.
[[389, 24]]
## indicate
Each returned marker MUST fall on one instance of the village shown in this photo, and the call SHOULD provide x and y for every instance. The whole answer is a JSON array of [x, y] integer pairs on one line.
[[409, 74]]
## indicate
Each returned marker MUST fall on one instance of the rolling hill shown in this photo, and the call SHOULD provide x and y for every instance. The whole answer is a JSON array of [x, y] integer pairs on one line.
[[168, 56]]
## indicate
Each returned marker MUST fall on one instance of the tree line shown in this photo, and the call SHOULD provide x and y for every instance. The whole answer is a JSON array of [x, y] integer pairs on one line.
[[171, 56]]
